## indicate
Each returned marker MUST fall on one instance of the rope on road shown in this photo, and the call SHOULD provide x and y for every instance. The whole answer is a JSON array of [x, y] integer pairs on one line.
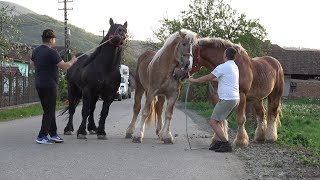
[[185, 112]]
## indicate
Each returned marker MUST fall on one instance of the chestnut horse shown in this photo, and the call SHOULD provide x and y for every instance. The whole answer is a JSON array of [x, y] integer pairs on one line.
[[155, 75], [260, 78]]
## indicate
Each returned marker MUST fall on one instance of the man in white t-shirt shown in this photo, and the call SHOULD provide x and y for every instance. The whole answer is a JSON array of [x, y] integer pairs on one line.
[[227, 75]]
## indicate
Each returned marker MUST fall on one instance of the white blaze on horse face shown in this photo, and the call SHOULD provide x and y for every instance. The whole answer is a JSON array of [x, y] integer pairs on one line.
[[190, 59]]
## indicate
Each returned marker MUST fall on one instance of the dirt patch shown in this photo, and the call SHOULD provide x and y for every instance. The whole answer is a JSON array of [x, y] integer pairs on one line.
[[264, 161]]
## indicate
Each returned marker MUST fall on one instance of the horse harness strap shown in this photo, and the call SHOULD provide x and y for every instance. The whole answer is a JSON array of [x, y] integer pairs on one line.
[[197, 65]]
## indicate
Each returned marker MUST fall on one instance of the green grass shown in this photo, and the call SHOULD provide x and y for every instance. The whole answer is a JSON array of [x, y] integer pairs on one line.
[[300, 129], [23, 112]]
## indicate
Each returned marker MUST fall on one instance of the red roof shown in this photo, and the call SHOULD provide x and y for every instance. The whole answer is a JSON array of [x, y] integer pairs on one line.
[[303, 62]]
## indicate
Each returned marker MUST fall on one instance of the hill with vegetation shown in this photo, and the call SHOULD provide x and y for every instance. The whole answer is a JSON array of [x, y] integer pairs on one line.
[[31, 25]]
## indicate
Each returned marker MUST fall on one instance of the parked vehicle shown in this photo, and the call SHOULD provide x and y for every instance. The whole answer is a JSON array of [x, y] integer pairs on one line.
[[124, 90]]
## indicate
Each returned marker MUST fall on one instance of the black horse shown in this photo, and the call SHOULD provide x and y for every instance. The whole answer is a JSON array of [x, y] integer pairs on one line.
[[93, 77]]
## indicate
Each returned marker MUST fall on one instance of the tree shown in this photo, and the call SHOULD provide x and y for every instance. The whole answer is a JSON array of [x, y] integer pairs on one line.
[[215, 18], [8, 24]]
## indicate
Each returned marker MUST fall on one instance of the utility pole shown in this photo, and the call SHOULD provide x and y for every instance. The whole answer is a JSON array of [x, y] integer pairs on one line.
[[66, 30], [102, 33]]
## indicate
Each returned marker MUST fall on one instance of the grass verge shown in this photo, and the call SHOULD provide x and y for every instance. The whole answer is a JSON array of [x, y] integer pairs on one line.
[[24, 111]]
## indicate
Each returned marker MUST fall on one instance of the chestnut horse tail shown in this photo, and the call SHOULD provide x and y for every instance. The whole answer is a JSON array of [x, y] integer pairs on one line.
[[152, 113], [280, 85]]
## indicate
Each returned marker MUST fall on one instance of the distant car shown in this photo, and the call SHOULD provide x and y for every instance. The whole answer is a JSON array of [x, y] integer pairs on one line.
[[124, 90]]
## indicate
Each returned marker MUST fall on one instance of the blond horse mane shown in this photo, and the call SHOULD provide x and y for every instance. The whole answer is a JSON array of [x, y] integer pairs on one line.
[[219, 42], [191, 36]]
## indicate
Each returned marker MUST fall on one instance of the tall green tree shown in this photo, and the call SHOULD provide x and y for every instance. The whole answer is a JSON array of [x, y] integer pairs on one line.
[[216, 18]]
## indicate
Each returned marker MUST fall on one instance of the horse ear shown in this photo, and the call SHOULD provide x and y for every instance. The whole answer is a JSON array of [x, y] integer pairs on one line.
[[125, 25], [111, 22], [182, 34]]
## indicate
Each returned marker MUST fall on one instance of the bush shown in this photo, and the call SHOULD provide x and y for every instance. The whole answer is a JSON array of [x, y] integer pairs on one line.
[[62, 87]]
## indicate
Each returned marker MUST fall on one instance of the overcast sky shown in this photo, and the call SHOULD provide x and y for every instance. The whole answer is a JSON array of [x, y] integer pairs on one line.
[[288, 22]]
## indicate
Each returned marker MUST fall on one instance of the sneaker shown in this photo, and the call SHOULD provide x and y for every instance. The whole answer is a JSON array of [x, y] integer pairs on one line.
[[225, 147], [57, 139], [44, 140], [216, 145]]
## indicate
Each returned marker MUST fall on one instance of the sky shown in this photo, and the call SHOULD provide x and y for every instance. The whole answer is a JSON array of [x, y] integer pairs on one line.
[[289, 23]]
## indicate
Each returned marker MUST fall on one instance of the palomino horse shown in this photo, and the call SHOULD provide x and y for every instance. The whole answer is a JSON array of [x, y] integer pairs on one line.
[[96, 76], [260, 78], [155, 77]]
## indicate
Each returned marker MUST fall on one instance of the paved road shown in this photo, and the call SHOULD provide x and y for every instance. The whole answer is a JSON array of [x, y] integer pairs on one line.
[[115, 158]]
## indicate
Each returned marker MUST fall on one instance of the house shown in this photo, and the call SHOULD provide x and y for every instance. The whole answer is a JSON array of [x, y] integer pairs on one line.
[[301, 70], [19, 60]]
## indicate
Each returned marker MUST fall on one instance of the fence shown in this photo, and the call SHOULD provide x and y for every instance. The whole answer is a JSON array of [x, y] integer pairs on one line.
[[16, 89]]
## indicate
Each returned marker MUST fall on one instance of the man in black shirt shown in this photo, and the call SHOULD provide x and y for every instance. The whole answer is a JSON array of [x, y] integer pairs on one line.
[[46, 62]]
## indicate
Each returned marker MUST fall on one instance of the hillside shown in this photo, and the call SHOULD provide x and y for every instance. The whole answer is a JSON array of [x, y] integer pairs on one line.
[[32, 24], [17, 8]]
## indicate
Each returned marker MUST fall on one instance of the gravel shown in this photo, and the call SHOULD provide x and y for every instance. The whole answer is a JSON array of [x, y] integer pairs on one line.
[[263, 160]]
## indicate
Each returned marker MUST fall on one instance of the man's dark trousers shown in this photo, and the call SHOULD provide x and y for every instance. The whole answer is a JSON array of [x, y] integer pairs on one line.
[[48, 101]]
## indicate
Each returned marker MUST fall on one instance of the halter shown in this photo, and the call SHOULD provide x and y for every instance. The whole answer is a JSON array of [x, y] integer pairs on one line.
[[109, 40], [197, 64], [180, 63], [111, 36], [195, 67]]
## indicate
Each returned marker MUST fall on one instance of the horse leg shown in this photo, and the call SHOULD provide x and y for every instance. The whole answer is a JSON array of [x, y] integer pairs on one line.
[[262, 123], [242, 138], [138, 135], [92, 128], [165, 133], [81, 133], [69, 128], [159, 109], [136, 109], [273, 118], [103, 116]]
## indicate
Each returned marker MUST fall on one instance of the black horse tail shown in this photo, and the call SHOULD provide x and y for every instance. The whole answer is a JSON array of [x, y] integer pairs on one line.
[[69, 107]]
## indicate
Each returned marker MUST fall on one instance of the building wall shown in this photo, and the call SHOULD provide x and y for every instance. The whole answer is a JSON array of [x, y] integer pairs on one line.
[[286, 90], [304, 88], [23, 68]]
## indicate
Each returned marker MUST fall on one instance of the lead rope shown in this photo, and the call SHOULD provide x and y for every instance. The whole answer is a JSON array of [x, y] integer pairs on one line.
[[95, 47], [185, 111]]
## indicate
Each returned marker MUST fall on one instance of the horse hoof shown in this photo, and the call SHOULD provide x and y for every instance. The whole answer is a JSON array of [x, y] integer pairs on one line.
[[137, 139], [168, 141], [92, 132], [81, 136], [67, 133], [128, 136], [103, 137]]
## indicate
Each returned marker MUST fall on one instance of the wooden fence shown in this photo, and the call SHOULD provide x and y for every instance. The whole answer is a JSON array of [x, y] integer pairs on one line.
[[16, 90]]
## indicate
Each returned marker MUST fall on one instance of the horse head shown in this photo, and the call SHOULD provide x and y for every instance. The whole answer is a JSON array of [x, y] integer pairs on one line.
[[117, 33], [184, 49]]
